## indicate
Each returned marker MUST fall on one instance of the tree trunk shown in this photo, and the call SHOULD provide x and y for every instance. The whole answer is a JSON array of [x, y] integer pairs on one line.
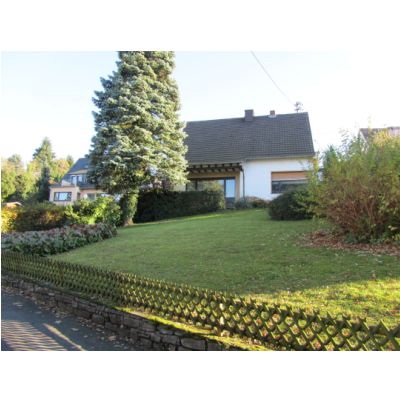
[[128, 204]]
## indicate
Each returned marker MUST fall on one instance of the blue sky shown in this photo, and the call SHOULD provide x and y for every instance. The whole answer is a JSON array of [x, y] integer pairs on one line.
[[49, 94]]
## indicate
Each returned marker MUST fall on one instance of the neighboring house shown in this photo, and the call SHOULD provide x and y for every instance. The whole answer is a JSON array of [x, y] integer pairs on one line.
[[74, 185], [368, 133], [258, 156]]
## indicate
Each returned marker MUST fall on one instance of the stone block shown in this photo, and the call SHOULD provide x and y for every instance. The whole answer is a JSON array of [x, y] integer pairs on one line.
[[111, 327], [145, 335], [155, 337], [130, 322], [147, 326], [124, 332], [194, 344], [134, 335], [82, 313], [86, 307], [115, 318], [146, 343], [157, 346], [170, 339], [171, 347], [98, 319], [64, 298]]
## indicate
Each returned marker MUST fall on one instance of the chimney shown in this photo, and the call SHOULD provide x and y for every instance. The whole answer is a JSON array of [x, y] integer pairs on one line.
[[248, 115], [272, 114]]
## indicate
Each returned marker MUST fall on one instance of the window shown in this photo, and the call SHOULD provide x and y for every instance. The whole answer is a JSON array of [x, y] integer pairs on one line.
[[284, 181], [227, 185], [76, 179], [212, 184], [91, 196], [62, 196]]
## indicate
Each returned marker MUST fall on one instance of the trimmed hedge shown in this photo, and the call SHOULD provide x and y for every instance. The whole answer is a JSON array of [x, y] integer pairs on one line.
[[39, 217], [291, 205], [251, 202], [154, 205], [55, 240]]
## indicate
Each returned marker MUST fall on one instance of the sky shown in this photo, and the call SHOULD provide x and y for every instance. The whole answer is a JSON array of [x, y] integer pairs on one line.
[[50, 93]]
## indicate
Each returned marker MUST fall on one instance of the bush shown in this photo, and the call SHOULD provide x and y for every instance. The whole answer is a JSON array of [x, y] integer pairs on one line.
[[242, 204], [56, 240], [291, 205], [103, 209], [360, 190], [8, 218], [154, 205], [251, 202], [38, 217]]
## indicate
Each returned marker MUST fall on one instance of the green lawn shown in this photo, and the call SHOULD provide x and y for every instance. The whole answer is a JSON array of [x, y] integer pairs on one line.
[[247, 253]]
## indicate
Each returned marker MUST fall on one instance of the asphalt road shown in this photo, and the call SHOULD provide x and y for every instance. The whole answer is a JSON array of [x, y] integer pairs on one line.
[[25, 326]]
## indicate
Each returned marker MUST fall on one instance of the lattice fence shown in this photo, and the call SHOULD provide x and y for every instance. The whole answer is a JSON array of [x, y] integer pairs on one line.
[[224, 313]]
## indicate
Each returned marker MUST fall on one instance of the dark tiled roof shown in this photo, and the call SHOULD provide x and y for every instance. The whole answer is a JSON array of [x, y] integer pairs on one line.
[[235, 140], [81, 163]]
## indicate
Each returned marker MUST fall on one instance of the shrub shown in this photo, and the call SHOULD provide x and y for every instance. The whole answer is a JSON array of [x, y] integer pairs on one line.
[[291, 205], [242, 203], [103, 209], [55, 240], [154, 205], [360, 190], [251, 202], [8, 218], [39, 216]]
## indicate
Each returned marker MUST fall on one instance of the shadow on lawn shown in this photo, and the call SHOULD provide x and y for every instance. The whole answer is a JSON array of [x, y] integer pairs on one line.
[[225, 213]]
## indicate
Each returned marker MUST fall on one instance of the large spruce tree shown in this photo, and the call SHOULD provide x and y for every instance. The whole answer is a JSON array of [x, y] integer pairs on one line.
[[139, 139]]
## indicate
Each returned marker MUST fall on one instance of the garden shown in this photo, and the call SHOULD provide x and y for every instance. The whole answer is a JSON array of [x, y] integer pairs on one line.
[[267, 254]]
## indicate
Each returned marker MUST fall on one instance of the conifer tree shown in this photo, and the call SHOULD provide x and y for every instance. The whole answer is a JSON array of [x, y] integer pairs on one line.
[[139, 139], [44, 154]]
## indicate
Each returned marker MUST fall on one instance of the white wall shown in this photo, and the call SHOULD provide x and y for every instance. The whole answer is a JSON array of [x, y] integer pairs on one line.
[[257, 175]]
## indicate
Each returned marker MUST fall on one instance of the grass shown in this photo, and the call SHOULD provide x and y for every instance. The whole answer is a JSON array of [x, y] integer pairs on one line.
[[245, 252]]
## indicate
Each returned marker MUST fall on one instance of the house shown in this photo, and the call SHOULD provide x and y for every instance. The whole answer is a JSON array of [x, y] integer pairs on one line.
[[258, 156], [368, 133], [74, 185]]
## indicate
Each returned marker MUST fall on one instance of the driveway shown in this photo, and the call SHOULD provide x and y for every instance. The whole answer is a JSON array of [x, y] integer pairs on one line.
[[25, 326]]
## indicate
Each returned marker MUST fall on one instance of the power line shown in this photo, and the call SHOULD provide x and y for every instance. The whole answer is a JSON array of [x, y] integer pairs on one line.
[[270, 77]]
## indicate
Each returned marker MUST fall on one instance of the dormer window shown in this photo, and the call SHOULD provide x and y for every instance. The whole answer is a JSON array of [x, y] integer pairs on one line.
[[79, 178]]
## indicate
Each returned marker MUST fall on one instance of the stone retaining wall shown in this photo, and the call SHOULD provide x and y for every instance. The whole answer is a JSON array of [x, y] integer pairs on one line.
[[136, 329]]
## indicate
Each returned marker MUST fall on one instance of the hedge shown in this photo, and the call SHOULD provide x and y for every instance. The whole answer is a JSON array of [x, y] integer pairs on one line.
[[55, 240], [103, 209], [154, 205], [251, 202], [36, 217], [226, 314], [291, 205], [46, 215]]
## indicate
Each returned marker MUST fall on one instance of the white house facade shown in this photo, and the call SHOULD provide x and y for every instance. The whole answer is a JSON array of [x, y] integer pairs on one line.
[[267, 179]]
